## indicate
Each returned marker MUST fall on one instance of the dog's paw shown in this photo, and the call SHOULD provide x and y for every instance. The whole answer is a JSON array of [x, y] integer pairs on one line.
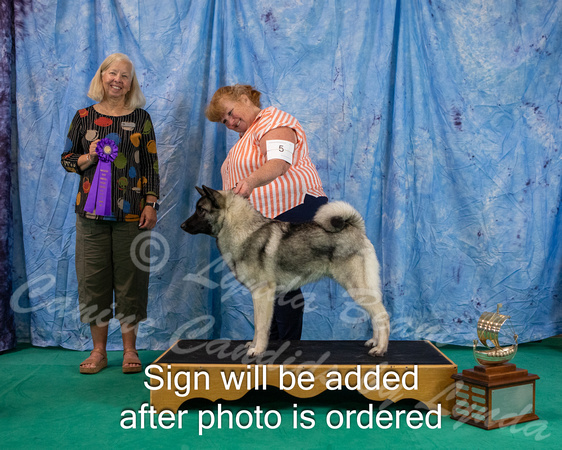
[[255, 348], [377, 351], [253, 351]]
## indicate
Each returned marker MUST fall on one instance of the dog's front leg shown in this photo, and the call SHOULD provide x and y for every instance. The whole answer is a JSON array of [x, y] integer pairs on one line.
[[263, 297]]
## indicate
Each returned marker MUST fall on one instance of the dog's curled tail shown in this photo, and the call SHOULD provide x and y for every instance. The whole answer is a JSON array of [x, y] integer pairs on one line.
[[335, 216]]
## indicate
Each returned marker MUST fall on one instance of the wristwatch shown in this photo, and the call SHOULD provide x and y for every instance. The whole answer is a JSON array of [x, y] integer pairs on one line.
[[155, 205]]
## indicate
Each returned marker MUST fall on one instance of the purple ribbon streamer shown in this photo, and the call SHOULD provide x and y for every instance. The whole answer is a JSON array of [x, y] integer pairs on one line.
[[99, 197]]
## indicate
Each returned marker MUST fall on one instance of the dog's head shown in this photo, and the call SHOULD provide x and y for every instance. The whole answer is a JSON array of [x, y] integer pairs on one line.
[[207, 216]]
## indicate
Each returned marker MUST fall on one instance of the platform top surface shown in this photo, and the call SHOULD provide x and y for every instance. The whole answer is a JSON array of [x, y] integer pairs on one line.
[[222, 351]]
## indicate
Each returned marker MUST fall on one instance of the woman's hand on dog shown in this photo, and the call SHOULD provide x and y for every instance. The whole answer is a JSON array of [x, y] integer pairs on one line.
[[244, 188]]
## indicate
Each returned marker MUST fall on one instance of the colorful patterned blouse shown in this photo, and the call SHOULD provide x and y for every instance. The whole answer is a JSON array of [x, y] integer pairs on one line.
[[134, 173]]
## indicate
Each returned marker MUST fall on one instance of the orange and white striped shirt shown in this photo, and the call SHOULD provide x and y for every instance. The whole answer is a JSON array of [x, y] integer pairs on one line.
[[286, 191]]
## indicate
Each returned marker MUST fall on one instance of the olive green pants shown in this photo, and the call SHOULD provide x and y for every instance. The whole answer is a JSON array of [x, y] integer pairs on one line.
[[105, 264]]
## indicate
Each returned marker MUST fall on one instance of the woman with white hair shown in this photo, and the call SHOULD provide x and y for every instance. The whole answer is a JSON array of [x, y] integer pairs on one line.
[[112, 146]]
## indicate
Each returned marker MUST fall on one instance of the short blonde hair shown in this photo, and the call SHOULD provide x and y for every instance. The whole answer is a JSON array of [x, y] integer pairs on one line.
[[215, 110], [133, 99]]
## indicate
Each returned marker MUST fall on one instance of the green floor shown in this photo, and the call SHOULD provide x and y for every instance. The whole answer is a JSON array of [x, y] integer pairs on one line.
[[46, 403]]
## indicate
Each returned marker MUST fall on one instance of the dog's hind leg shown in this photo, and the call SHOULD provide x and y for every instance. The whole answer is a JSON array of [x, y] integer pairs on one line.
[[263, 297], [362, 281]]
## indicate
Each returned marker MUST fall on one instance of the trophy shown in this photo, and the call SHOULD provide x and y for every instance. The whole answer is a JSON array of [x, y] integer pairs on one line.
[[495, 393], [488, 328]]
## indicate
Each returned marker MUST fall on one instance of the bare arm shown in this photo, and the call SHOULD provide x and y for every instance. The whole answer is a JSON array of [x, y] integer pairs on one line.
[[271, 169]]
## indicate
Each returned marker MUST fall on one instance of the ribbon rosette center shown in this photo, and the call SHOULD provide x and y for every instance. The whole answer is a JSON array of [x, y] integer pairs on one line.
[[99, 197]]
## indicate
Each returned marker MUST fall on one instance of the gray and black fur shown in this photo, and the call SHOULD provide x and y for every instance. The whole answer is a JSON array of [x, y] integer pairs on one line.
[[271, 257]]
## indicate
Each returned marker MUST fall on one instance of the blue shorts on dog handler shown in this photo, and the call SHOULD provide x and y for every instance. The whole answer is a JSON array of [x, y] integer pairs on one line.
[[104, 264]]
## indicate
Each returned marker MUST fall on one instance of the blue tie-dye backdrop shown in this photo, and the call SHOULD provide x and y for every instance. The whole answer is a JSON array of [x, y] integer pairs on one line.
[[438, 120]]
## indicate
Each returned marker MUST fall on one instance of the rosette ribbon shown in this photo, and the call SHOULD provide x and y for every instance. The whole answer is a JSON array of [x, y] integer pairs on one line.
[[99, 197]]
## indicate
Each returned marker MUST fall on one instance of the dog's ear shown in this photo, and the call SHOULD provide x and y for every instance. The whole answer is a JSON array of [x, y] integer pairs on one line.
[[201, 191], [212, 195]]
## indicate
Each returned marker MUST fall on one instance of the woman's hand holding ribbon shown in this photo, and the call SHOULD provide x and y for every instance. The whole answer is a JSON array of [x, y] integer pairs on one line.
[[87, 159], [92, 155]]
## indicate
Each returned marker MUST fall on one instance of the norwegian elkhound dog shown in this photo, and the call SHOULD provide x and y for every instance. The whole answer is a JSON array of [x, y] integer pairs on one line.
[[270, 257]]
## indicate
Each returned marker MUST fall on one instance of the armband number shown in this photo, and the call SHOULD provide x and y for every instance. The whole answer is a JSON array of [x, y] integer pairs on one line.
[[279, 149]]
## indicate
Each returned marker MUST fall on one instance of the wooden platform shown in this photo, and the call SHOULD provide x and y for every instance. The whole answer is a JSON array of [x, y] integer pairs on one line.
[[220, 369]]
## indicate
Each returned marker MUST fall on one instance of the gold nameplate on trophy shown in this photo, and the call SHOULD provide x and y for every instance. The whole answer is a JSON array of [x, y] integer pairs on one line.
[[495, 393]]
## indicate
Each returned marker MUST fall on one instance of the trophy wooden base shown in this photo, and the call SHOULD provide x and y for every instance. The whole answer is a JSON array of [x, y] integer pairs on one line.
[[220, 369], [494, 396]]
